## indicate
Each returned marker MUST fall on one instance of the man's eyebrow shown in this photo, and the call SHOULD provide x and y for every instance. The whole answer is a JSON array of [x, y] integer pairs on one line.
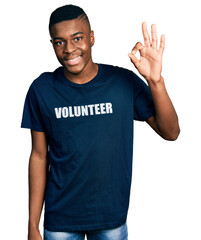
[[57, 38], [74, 34]]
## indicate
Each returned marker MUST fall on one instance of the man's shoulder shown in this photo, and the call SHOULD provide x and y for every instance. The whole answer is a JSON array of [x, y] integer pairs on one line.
[[118, 71], [45, 78], [115, 68]]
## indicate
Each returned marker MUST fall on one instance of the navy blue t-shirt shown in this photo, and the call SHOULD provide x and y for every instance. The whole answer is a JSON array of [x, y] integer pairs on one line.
[[89, 129]]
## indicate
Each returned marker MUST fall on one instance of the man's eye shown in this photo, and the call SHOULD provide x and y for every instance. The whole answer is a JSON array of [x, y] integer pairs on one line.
[[78, 39], [59, 43]]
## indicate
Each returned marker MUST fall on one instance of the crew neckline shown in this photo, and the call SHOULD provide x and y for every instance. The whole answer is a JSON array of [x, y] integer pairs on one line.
[[81, 85]]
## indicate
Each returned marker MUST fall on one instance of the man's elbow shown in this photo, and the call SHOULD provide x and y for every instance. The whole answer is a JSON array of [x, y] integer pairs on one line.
[[172, 135]]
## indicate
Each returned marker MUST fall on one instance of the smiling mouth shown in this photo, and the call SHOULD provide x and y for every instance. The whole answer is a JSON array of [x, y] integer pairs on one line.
[[73, 61]]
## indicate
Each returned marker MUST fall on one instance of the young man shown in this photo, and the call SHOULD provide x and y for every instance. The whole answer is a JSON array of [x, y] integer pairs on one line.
[[81, 120]]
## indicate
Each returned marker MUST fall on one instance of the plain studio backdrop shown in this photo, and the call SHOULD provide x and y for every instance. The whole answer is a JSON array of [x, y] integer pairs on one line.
[[165, 200]]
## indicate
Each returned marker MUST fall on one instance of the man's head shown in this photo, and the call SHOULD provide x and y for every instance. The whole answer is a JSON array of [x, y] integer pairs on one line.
[[72, 39], [67, 12]]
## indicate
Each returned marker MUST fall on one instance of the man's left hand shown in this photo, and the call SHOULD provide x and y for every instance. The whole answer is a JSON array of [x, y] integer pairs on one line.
[[150, 63]]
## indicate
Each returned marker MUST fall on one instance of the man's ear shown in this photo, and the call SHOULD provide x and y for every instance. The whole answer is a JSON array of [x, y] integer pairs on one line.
[[51, 41], [92, 38]]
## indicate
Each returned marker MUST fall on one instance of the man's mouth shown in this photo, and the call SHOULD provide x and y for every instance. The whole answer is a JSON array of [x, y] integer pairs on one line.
[[73, 61]]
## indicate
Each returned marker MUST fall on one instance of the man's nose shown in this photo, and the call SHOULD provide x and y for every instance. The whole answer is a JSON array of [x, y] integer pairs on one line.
[[69, 48]]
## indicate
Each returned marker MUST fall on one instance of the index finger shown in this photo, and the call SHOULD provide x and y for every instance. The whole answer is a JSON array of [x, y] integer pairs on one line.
[[145, 34]]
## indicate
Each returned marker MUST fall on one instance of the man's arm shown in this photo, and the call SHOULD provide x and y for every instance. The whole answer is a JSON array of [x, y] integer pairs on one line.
[[165, 123], [38, 167]]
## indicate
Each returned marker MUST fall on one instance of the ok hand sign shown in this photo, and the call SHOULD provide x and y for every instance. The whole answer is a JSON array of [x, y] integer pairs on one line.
[[150, 63]]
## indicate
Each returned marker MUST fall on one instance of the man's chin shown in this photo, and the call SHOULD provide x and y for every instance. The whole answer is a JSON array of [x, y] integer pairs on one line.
[[74, 70]]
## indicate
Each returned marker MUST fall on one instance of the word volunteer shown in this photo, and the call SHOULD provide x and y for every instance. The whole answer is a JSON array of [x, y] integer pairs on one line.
[[86, 110]]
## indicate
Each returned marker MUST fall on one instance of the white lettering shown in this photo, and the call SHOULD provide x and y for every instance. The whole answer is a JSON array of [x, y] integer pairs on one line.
[[71, 112], [109, 108], [65, 112], [86, 110], [97, 109], [58, 112], [102, 108], [77, 111], [91, 109]]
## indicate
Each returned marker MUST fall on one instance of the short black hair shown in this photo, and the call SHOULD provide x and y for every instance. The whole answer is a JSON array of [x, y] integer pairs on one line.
[[67, 12]]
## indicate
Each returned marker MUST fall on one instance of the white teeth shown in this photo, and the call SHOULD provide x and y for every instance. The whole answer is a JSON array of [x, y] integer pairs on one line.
[[73, 60]]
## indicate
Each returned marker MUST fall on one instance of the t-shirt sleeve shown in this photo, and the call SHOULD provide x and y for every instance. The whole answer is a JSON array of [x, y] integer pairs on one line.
[[143, 102], [32, 117]]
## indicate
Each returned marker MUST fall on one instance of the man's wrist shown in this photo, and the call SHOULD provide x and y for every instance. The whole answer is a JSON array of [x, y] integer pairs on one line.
[[158, 84], [33, 225]]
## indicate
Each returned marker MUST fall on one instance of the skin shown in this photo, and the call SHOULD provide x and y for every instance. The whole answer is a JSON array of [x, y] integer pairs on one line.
[[165, 123], [38, 168], [73, 40]]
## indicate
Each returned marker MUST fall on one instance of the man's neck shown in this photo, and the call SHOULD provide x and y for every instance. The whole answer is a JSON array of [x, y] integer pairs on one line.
[[83, 77]]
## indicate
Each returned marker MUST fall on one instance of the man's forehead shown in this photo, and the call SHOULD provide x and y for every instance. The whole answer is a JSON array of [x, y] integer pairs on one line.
[[70, 27]]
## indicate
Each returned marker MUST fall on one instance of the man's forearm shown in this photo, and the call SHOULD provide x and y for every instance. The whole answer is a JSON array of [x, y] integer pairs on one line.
[[37, 182], [166, 117]]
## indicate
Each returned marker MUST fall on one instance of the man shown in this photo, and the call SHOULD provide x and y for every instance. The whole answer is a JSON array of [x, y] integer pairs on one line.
[[81, 120]]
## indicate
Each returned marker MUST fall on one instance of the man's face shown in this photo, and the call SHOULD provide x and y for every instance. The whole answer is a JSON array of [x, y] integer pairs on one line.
[[72, 41]]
